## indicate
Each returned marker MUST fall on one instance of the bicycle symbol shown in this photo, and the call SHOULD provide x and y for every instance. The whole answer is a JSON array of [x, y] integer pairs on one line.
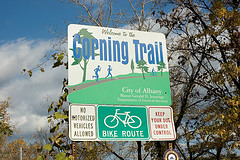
[[111, 121]]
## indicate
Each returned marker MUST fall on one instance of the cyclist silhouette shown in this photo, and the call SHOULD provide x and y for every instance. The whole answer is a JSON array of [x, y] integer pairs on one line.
[[111, 121], [109, 71], [153, 72], [96, 70]]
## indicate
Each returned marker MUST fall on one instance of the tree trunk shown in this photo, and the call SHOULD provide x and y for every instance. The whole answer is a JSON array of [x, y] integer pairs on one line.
[[84, 70], [218, 153]]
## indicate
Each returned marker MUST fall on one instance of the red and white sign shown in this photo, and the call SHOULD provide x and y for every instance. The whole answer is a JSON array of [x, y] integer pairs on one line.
[[161, 123]]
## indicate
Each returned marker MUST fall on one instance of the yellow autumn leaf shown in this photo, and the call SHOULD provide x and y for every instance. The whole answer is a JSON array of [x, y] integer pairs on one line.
[[222, 116], [221, 132]]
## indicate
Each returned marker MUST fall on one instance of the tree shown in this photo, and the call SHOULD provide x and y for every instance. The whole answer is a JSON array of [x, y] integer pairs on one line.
[[142, 65], [12, 148], [205, 81], [161, 66], [132, 66], [84, 34], [5, 127]]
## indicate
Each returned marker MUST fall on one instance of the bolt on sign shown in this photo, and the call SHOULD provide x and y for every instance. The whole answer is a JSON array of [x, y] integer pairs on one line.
[[118, 123], [110, 66]]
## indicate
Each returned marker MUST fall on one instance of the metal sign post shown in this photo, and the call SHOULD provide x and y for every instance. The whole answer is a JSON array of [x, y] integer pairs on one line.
[[74, 152], [171, 154]]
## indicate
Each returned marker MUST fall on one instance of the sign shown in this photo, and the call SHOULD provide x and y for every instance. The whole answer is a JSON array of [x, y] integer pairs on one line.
[[171, 154], [109, 66], [122, 123], [82, 122], [118, 123], [161, 123]]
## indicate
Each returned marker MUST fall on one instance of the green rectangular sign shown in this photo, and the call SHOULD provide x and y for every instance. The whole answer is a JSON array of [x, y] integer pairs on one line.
[[122, 123]]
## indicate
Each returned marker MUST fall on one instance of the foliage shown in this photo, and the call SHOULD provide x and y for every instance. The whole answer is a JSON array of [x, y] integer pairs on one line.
[[156, 149], [161, 66], [5, 127], [142, 65], [84, 34], [203, 39], [132, 66], [11, 149]]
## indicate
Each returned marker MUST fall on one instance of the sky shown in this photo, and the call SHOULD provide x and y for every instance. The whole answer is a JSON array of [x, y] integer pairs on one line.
[[24, 40], [32, 18]]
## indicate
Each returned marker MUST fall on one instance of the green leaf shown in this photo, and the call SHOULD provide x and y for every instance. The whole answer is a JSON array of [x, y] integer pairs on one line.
[[39, 150], [54, 129], [59, 115], [76, 61], [60, 56], [30, 73], [71, 157], [145, 69], [48, 147], [65, 96], [61, 156], [57, 64], [50, 107], [96, 54], [40, 157]]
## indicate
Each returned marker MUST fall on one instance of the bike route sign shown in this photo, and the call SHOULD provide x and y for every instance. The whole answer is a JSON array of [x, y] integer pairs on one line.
[[118, 123], [122, 123], [110, 66]]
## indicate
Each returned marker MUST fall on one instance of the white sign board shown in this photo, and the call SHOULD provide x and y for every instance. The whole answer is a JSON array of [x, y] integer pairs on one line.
[[111, 66], [82, 122], [161, 123]]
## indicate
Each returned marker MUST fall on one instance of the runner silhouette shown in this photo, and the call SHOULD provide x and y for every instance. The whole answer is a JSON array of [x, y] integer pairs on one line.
[[109, 71], [96, 70]]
